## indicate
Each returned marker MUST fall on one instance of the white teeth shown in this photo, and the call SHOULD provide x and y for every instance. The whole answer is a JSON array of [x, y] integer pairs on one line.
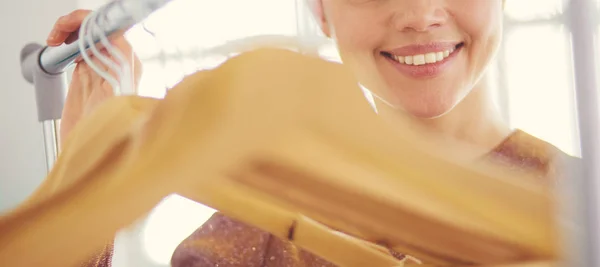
[[430, 58], [400, 59], [439, 56], [419, 60], [423, 59]]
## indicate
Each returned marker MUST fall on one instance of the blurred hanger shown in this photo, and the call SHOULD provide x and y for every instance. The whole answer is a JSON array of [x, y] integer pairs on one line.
[[241, 139], [121, 79]]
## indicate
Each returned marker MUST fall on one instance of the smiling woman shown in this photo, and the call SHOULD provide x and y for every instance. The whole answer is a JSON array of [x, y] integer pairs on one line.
[[429, 60], [362, 39], [433, 62]]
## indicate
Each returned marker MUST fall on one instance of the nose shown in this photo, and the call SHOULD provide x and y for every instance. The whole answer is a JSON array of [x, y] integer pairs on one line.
[[419, 15]]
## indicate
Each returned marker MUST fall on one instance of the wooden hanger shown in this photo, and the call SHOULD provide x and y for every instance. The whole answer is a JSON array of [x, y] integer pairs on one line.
[[287, 143]]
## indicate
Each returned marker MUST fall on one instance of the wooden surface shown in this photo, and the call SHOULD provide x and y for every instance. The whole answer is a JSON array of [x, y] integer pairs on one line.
[[281, 141]]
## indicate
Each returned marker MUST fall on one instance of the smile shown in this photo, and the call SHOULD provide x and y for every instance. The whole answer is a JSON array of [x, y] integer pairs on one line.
[[423, 65]]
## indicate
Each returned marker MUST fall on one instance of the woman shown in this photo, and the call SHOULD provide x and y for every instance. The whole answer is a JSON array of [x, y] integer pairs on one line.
[[433, 57]]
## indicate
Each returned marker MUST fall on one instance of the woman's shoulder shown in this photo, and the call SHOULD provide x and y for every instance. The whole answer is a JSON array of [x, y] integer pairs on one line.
[[525, 151]]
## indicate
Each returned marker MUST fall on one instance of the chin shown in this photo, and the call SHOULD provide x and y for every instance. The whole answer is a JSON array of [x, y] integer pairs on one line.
[[431, 111], [428, 114]]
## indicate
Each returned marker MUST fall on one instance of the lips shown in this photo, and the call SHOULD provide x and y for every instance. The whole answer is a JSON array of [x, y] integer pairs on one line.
[[423, 61]]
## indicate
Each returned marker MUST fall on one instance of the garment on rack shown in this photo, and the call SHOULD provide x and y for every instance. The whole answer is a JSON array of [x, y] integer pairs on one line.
[[121, 111], [226, 242], [211, 137]]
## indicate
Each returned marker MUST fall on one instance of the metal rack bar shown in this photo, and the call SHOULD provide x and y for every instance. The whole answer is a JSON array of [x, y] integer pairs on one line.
[[44, 66]]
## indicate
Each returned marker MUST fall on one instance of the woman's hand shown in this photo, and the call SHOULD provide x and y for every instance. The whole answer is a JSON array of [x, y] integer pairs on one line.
[[87, 89]]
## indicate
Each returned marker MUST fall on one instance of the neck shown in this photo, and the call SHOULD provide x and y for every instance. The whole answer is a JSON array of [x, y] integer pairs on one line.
[[476, 122]]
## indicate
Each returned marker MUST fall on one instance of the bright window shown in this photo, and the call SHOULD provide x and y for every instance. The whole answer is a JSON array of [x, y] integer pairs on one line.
[[536, 75], [534, 9]]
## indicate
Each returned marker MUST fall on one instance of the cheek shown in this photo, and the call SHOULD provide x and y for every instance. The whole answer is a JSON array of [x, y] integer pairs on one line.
[[358, 36], [483, 30], [357, 50], [356, 30], [475, 16]]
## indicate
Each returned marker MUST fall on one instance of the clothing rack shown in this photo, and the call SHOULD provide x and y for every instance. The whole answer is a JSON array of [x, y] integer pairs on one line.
[[44, 67]]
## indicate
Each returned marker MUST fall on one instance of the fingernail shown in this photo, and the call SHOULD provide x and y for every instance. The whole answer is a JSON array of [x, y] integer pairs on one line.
[[63, 19], [52, 35]]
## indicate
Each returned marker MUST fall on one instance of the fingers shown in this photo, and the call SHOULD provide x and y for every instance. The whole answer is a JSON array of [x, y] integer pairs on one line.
[[124, 48], [133, 62], [72, 37], [66, 27]]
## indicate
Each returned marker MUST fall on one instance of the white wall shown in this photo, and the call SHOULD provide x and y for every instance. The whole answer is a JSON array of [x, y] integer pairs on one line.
[[22, 159]]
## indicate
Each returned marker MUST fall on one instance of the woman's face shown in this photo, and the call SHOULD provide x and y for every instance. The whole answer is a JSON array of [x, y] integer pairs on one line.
[[429, 54]]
